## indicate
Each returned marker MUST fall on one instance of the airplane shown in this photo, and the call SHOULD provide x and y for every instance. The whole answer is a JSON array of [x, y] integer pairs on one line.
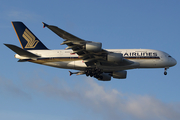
[[87, 57]]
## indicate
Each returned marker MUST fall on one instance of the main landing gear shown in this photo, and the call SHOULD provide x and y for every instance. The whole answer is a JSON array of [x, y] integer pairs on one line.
[[165, 71], [96, 72]]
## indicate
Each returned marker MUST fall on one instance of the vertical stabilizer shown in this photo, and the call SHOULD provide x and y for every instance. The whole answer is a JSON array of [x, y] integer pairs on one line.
[[26, 38]]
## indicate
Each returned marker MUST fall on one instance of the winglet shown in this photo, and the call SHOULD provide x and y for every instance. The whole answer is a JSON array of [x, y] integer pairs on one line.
[[70, 73], [44, 25]]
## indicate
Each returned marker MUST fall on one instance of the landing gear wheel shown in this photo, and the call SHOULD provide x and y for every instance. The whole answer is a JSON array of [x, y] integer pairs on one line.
[[87, 74], [91, 75], [93, 72], [165, 71], [100, 77]]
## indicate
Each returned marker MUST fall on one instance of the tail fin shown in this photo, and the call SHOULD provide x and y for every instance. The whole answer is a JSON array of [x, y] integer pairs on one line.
[[26, 38]]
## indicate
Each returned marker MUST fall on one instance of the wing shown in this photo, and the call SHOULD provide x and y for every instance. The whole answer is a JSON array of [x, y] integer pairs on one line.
[[90, 52]]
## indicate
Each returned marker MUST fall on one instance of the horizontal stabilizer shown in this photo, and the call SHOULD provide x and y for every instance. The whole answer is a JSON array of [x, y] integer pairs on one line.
[[21, 52]]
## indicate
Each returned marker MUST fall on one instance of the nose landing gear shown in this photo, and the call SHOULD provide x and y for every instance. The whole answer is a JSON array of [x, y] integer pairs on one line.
[[165, 71]]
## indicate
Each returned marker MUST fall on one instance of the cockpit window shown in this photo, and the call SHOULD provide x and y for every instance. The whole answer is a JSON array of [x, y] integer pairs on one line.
[[169, 56]]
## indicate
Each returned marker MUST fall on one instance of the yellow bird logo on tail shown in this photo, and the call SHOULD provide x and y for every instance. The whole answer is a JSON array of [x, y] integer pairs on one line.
[[30, 38]]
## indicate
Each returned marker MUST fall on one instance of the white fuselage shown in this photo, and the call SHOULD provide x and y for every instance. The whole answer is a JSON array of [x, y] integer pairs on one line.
[[142, 58]]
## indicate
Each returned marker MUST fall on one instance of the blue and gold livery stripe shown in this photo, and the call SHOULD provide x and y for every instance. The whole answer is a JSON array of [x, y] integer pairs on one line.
[[143, 57]]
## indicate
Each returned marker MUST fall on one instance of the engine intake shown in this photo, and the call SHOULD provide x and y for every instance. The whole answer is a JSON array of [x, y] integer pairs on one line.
[[114, 57], [93, 46], [119, 74]]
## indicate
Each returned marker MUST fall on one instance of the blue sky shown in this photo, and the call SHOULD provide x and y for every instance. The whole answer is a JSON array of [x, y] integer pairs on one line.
[[31, 91]]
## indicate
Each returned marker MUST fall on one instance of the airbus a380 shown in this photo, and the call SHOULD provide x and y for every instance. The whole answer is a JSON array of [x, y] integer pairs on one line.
[[87, 57]]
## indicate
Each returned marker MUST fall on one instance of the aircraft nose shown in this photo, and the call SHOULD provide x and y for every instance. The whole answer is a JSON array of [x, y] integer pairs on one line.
[[173, 62]]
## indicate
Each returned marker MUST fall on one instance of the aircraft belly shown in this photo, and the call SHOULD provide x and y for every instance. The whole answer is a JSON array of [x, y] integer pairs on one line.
[[150, 63], [67, 64], [79, 64]]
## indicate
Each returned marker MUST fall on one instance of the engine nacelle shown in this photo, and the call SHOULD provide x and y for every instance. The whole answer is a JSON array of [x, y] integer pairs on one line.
[[119, 74], [105, 77], [93, 46], [114, 57]]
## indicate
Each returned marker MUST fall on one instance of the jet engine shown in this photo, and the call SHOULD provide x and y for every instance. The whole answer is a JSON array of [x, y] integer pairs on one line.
[[119, 74], [114, 57], [93, 46], [104, 77]]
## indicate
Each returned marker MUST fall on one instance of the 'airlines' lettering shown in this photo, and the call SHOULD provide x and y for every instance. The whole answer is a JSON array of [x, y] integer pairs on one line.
[[150, 54]]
